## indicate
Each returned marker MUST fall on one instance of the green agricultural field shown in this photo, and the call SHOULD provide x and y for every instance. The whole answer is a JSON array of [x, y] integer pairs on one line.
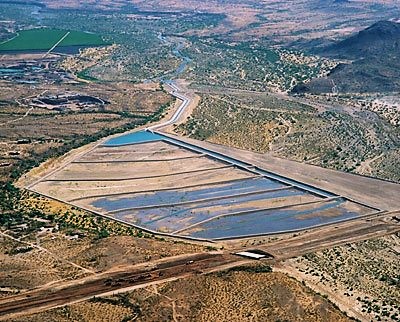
[[44, 39]]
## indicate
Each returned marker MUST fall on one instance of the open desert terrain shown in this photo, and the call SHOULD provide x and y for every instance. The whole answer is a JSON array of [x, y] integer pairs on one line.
[[199, 160]]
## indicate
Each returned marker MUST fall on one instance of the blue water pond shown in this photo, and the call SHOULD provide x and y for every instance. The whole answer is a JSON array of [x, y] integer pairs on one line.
[[134, 138]]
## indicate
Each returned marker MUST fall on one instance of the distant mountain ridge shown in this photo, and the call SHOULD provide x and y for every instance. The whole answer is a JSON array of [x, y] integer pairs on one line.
[[375, 52], [380, 38]]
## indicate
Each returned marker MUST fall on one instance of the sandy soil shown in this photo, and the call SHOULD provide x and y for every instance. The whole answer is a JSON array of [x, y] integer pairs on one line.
[[353, 280], [115, 171], [216, 297]]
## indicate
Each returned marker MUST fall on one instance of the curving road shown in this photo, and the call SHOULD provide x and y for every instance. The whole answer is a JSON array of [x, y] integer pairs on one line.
[[186, 101]]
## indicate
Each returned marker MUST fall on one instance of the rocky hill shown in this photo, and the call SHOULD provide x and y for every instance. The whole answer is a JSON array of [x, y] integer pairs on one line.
[[375, 66], [382, 37]]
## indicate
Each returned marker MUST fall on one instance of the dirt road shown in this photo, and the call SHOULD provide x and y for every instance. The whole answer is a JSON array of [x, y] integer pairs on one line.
[[123, 279], [117, 280], [334, 235]]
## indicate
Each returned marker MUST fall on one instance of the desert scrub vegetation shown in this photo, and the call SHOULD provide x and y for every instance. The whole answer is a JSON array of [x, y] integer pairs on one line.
[[140, 54], [250, 65], [121, 300], [135, 58], [231, 121], [360, 142], [340, 141], [387, 165], [371, 283], [116, 308], [239, 296], [34, 223], [49, 134], [257, 268], [20, 207]]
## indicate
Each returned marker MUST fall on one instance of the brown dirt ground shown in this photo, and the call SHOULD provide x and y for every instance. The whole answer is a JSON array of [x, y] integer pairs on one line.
[[37, 267], [226, 296]]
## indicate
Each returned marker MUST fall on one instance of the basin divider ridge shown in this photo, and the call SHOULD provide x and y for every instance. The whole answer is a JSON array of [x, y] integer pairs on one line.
[[326, 200], [141, 161], [332, 223], [211, 240], [137, 178], [116, 194], [104, 215], [64, 165], [188, 202], [247, 166]]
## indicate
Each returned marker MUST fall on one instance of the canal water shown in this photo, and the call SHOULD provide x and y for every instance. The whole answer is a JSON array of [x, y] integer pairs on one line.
[[134, 138]]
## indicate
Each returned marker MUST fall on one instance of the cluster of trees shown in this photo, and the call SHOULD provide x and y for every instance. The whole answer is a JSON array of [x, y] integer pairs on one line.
[[9, 201]]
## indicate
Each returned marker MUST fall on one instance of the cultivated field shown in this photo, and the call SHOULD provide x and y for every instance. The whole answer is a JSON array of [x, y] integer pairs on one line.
[[303, 22], [44, 39]]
